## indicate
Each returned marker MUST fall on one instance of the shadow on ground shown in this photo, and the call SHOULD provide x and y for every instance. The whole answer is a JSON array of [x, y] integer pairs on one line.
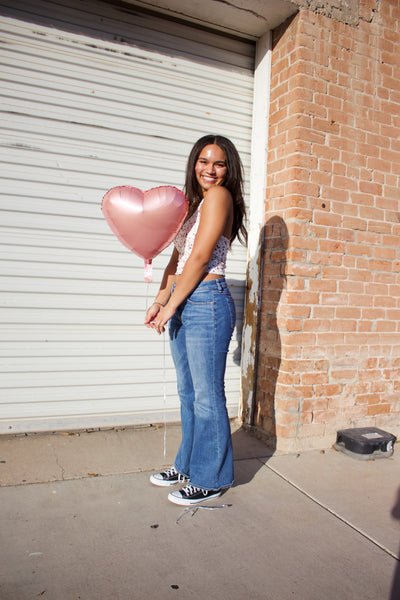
[[251, 450]]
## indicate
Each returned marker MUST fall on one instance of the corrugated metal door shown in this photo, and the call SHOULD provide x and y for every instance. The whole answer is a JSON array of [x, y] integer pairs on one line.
[[96, 95]]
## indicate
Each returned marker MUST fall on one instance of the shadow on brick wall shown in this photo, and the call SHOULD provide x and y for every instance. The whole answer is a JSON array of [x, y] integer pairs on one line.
[[261, 423], [270, 354]]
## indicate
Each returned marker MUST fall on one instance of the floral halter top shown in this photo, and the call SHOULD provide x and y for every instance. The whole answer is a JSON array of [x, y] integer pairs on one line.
[[184, 244]]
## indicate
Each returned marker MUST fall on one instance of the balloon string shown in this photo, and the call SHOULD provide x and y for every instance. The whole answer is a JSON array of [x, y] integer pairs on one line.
[[165, 399], [164, 379], [148, 271]]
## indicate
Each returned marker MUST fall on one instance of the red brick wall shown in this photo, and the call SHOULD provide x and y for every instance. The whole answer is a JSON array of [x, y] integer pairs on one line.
[[329, 348]]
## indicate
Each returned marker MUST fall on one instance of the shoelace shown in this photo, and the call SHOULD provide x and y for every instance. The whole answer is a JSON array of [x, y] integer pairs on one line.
[[191, 490], [192, 510], [171, 472]]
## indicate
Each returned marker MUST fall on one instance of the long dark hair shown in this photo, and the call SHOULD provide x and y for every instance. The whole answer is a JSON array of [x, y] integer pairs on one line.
[[233, 182]]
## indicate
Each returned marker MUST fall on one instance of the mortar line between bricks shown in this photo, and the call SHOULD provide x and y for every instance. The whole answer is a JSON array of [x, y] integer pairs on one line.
[[332, 512]]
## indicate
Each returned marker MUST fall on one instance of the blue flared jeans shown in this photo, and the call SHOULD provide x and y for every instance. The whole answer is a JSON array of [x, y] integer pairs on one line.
[[200, 332]]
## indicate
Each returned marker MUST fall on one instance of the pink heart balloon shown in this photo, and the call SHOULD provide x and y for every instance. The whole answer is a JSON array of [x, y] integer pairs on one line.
[[145, 222]]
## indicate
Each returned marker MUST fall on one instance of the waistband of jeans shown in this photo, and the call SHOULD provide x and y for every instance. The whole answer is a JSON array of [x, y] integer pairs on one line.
[[213, 284]]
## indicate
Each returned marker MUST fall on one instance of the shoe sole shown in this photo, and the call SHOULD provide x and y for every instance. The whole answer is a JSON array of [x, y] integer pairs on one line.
[[187, 502], [163, 483]]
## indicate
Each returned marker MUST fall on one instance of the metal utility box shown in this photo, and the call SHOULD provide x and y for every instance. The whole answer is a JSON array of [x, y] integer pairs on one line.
[[365, 442]]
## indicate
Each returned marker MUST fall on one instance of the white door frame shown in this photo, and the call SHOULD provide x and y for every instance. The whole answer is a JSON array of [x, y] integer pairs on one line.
[[262, 81]]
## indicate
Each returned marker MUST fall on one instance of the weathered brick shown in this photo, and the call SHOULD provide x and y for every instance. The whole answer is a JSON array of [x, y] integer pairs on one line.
[[378, 409], [301, 270], [348, 312], [322, 285], [333, 178], [312, 430], [324, 416], [286, 418], [314, 378], [323, 312], [285, 431], [317, 325], [344, 325]]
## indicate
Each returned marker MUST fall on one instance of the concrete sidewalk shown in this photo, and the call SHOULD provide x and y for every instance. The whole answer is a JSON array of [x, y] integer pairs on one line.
[[80, 521]]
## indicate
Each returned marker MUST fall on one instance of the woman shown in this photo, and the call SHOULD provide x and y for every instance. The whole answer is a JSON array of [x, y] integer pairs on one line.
[[195, 299]]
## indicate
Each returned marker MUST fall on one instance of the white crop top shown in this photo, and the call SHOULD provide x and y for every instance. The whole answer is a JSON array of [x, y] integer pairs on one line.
[[184, 244]]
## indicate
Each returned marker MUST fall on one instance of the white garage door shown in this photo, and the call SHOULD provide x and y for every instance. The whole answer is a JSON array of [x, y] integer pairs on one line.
[[96, 95]]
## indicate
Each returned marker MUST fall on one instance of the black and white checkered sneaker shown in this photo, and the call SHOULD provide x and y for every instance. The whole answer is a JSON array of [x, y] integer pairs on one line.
[[168, 477]]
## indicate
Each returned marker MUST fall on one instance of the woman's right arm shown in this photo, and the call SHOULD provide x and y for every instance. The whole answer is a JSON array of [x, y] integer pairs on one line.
[[165, 290]]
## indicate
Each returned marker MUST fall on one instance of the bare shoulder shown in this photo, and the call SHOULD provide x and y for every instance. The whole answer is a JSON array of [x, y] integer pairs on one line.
[[217, 212], [217, 198]]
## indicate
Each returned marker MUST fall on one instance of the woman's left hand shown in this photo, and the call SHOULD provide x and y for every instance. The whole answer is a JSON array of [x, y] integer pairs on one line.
[[164, 315]]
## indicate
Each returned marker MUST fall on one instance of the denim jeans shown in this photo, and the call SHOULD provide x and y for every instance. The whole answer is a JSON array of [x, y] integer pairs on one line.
[[200, 332]]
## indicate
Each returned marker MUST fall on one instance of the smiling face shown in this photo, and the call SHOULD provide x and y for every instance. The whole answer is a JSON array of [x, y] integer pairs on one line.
[[210, 167]]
